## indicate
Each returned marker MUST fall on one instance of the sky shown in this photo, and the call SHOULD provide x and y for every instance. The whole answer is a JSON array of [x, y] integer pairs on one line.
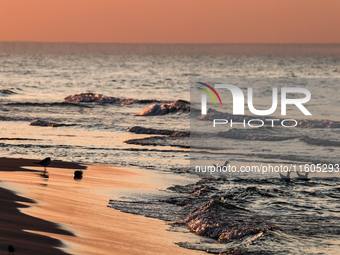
[[171, 21]]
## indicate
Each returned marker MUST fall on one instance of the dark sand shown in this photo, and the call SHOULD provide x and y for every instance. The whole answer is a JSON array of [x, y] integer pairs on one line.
[[13, 222], [16, 164]]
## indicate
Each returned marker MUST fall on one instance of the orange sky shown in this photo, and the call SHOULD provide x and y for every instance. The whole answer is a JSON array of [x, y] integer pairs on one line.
[[171, 21]]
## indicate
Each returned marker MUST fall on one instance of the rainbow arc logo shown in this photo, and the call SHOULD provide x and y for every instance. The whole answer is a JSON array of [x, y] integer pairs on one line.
[[209, 93]]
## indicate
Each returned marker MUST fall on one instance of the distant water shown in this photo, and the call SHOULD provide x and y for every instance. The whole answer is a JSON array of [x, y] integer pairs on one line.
[[35, 79]]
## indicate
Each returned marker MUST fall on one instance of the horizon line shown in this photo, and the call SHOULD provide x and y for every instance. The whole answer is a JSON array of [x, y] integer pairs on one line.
[[223, 43]]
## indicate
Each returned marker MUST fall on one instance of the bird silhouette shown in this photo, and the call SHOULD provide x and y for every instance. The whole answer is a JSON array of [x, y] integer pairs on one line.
[[285, 178], [303, 177], [225, 164], [11, 249], [45, 162]]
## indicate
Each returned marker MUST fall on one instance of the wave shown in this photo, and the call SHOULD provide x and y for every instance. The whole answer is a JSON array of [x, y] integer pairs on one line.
[[34, 104], [181, 139], [7, 91], [228, 221], [319, 142], [173, 141], [237, 211], [100, 99], [42, 123], [6, 118], [172, 138], [218, 218], [251, 135], [287, 159], [236, 134], [156, 109], [152, 131]]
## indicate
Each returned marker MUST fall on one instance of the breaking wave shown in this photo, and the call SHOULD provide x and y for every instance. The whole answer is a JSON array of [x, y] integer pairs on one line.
[[100, 99]]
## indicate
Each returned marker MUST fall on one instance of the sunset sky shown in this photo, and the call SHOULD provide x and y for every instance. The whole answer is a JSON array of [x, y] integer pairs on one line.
[[171, 21]]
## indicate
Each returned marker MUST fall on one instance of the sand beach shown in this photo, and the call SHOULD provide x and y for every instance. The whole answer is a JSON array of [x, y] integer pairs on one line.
[[60, 215]]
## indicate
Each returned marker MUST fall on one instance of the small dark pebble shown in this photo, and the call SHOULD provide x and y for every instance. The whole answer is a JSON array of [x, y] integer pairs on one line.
[[11, 249], [78, 174]]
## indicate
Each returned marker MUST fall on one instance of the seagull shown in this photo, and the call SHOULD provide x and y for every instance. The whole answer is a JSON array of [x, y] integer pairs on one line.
[[45, 162], [303, 177], [285, 178], [10, 249], [225, 164]]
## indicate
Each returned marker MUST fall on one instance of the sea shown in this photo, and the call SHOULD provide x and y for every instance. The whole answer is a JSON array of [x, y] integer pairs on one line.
[[229, 213]]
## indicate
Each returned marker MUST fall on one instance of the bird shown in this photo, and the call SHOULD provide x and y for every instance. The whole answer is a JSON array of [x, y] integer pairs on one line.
[[225, 164], [10, 249], [303, 177], [285, 178], [45, 162]]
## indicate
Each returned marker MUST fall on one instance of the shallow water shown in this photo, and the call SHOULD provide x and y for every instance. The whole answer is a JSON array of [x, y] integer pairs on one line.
[[304, 214]]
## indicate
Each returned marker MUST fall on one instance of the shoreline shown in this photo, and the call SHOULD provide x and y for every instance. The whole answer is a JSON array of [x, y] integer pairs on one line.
[[60, 215]]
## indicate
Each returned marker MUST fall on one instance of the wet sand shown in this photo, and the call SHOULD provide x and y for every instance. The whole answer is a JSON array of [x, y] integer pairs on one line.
[[51, 213]]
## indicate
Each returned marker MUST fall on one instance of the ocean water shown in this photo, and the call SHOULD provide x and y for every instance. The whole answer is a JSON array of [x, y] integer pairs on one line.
[[298, 218]]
